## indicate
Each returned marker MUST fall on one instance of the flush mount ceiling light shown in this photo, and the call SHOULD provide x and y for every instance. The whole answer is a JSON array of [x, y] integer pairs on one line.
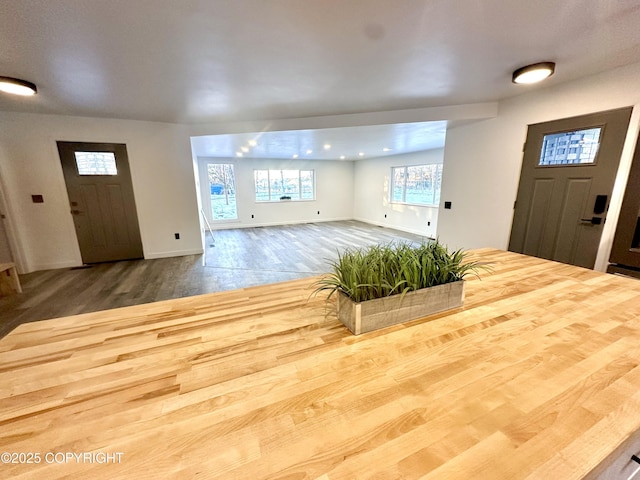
[[533, 73], [17, 86]]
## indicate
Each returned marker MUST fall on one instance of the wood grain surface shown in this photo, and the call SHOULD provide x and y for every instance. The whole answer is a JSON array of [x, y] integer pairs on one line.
[[235, 258], [536, 376]]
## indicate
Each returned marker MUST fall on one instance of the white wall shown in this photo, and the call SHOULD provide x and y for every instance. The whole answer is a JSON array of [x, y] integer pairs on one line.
[[481, 170], [334, 193], [482, 160], [371, 194], [162, 174]]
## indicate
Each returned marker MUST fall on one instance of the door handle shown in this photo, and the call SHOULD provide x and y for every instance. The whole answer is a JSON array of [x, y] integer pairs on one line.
[[592, 220], [75, 212]]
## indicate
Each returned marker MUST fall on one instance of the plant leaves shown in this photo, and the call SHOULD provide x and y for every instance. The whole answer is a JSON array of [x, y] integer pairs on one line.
[[395, 268]]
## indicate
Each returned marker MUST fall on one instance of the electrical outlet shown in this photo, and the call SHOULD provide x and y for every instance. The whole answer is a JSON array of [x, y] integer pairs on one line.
[[428, 224], [252, 215], [177, 235]]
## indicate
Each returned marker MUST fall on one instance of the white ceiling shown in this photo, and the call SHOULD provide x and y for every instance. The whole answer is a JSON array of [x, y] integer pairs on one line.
[[212, 61], [347, 143]]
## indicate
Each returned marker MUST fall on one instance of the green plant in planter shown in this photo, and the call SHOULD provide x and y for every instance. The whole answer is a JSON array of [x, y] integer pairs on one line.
[[394, 269]]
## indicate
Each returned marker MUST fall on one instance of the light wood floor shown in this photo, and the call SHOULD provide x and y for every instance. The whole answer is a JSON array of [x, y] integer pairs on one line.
[[537, 376], [239, 258]]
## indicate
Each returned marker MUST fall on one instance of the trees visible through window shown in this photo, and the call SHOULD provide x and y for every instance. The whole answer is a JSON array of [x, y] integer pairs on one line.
[[222, 189], [276, 185], [416, 184]]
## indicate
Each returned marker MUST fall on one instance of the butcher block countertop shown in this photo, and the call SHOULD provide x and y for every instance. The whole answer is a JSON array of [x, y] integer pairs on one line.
[[536, 376]]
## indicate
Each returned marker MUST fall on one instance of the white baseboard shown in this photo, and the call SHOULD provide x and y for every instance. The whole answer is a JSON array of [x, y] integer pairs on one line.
[[48, 266], [394, 227], [71, 264], [173, 253], [276, 224]]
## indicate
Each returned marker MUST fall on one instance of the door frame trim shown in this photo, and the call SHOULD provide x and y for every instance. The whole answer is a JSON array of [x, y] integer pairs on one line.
[[619, 187], [14, 245], [95, 146]]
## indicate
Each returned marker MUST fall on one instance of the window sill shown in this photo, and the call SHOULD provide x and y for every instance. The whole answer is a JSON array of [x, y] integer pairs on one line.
[[225, 220], [284, 201], [415, 204]]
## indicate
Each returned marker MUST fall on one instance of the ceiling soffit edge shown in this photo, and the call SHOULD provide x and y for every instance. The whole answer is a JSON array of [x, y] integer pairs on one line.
[[452, 113]]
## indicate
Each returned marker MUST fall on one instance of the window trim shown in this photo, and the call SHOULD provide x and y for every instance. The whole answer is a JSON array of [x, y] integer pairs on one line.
[[80, 164], [203, 167], [279, 200], [601, 127], [404, 185]]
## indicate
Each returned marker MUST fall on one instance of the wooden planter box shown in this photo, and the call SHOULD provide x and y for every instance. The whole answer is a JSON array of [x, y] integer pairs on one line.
[[362, 317]]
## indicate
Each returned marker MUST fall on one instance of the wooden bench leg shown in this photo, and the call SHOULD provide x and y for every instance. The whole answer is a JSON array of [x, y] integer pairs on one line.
[[10, 281]]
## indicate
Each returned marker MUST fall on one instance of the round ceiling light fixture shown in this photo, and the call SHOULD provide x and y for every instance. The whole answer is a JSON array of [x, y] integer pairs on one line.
[[533, 73], [17, 86]]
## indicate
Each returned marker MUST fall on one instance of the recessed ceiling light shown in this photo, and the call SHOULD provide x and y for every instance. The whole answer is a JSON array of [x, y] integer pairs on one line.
[[385, 149], [309, 152], [361, 154], [533, 73], [295, 155], [253, 143], [342, 157], [17, 86], [244, 149], [238, 154], [326, 146]]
